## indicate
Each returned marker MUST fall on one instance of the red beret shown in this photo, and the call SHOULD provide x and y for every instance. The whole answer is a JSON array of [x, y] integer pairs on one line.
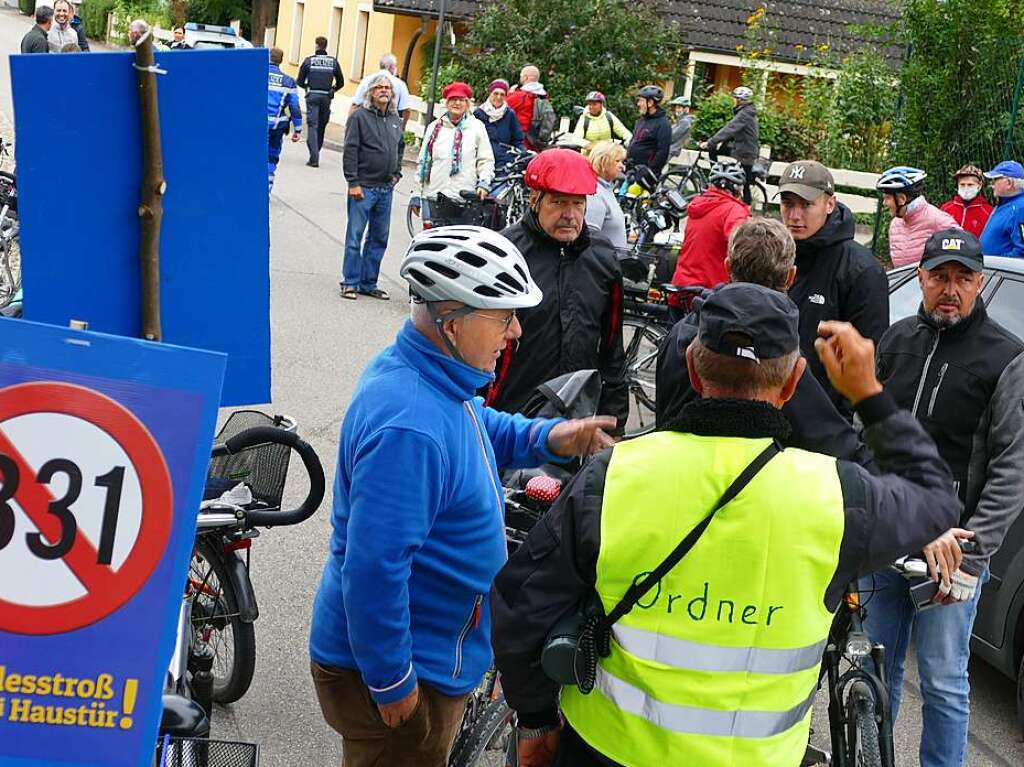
[[457, 91], [561, 171]]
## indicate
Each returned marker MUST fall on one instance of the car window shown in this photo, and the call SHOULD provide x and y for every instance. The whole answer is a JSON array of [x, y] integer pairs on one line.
[[1007, 306], [904, 300], [212, 44]]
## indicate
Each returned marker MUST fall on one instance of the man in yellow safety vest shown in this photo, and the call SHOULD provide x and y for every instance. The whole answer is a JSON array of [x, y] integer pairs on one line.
[[717, 664]]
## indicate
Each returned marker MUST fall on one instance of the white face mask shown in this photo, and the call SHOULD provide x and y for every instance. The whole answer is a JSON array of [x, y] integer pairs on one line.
[[968, 193]]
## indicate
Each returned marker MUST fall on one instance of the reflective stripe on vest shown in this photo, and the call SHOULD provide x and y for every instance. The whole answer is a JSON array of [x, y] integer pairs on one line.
[[700, 721], [696, 656], [718, 663]]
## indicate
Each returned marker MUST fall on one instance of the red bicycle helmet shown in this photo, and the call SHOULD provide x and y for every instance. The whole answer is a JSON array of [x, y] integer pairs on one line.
[[562, 171], [595, 96]]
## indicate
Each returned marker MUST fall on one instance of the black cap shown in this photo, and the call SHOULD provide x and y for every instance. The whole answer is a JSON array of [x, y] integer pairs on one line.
[[953, 244], [750, 321]]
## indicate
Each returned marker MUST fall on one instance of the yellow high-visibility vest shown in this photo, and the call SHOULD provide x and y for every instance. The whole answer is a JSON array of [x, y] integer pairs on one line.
[[717, 665]]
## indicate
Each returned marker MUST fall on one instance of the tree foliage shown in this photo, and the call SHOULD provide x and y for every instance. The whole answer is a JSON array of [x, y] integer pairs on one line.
[[958, 85], [579, 45]]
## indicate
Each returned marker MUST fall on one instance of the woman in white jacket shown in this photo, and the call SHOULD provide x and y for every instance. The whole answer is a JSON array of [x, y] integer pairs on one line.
[[456, 154]]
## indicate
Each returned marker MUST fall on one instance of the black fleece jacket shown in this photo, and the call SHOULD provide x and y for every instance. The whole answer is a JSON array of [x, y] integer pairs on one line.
[[837, 278], [886, 516], [578, 325]]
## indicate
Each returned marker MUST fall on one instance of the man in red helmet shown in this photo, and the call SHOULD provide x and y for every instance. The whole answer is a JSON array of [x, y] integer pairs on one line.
[[578, 325]]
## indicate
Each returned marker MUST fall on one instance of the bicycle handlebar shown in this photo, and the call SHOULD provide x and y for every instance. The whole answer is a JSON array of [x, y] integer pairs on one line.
[[261, 435]]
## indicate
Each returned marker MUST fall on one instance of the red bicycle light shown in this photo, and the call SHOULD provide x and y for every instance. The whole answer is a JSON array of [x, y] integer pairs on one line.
[[543, 489]]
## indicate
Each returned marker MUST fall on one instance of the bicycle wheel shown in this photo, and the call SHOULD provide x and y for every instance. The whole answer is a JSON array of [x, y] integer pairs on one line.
[[217, 622], [862, 727], [490, 741], [687, 183], [10, 268], [758, 199], [516, 204], [641, 339]]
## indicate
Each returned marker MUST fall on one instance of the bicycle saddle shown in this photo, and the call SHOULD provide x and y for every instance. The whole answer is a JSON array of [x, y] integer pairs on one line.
[[183, 718]]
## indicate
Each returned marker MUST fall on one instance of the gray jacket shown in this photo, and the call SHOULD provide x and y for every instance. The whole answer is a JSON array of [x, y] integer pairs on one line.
[[605, 216], [680, 135], [965, 384], [373, 153], [740, 134]]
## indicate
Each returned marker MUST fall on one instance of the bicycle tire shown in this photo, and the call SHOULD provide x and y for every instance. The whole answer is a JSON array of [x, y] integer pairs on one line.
[[758, 199], [215, 615], [641, 338], [862, 727], [484, 743], [10, 270]]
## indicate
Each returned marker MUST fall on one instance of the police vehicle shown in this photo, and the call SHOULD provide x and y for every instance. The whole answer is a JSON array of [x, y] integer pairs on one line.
[[205, 36]]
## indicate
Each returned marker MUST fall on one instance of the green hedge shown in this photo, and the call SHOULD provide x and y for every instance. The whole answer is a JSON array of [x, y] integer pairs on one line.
[[28, 7], [94, 16]]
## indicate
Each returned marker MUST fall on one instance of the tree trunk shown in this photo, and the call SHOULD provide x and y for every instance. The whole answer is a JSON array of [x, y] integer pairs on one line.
[[264, 14], [151, 204]]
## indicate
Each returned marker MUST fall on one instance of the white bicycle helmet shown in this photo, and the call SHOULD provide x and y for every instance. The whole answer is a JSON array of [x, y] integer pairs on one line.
[[729, 175], [470, 264], [902, 178], [743, 93]]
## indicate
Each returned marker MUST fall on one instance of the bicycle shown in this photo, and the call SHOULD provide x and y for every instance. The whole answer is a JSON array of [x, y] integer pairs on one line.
[[214, 655], [469, 209], [688, 180], [10, 241], [509, 187]]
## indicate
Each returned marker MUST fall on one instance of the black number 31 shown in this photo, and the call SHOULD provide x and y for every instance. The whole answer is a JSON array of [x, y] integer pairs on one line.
[[60, 508]]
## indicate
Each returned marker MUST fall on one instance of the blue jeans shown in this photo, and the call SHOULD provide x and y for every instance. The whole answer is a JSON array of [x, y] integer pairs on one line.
[[942, 638], [370, 216]]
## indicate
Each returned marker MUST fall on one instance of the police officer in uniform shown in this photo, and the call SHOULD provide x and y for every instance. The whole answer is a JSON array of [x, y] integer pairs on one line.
[[281, 95], [718, 662], [320, 76]]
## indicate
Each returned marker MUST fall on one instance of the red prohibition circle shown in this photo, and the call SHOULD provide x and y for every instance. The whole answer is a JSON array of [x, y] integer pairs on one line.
[[116, 586]]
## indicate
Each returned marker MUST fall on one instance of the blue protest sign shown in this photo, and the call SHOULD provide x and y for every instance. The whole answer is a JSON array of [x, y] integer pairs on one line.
[[104, 445], [79, 153]]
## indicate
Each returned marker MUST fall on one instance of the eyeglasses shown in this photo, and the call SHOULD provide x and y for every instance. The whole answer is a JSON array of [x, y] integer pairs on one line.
[[506, 321]]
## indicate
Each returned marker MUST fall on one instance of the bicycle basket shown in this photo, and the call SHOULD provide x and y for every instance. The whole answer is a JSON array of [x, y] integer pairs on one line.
[[264, 468], [198, 752]]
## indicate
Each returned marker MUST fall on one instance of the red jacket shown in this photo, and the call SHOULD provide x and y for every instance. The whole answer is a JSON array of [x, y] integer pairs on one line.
[[972, 215], [521, 102], [709, 221]]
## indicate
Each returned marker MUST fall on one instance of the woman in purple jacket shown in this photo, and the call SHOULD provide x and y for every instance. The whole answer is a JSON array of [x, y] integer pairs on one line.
[[503, 128]]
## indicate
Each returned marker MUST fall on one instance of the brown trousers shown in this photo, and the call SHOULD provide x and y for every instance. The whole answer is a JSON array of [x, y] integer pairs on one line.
[[423, 740]]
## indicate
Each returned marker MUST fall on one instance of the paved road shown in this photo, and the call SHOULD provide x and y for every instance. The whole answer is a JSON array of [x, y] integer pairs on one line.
[[320, 345]]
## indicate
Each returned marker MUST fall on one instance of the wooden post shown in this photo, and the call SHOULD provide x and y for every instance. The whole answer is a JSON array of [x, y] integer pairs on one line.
[[151, 207]]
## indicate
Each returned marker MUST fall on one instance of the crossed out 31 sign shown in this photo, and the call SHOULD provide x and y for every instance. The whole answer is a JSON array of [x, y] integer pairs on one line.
[[83, 519], [104, 444]]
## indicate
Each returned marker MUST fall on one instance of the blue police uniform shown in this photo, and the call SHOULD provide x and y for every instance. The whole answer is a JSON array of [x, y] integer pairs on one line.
[[281, 95]]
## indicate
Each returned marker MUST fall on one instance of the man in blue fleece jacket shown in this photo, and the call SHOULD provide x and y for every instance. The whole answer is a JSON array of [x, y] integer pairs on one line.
[[401, 624]]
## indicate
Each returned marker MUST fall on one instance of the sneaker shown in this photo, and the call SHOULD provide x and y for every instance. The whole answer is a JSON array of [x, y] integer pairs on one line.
[[376, 293], [313, 164]]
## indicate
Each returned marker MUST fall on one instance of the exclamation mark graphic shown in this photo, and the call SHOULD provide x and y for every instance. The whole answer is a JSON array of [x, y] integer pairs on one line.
[[131, 689]]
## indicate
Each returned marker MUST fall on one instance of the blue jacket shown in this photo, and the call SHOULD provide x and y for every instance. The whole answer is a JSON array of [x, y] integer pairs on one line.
[[418, 523], [1003, 235], [504, 131], [281, 94]]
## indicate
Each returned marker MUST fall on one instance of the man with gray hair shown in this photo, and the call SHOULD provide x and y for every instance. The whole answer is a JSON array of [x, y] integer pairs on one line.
[[760, 251], [35, 40], [372, 163], [1003, 234], [388, 65]]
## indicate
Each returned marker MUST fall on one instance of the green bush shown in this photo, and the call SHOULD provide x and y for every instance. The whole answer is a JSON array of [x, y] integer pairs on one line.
[[154, 12], [959, 85], [94, 17], [28, 7], [579, 45]]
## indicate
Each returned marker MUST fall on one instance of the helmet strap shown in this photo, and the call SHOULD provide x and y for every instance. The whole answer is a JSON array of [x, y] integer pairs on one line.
[[440, 318]]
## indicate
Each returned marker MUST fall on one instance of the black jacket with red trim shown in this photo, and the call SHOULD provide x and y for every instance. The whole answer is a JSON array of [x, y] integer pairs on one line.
[[578, 325]]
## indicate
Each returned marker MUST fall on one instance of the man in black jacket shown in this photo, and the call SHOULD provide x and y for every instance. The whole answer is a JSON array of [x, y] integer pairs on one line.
[[35, 40], [320, 76], [578, 325], [652, 134], [836, 277], [373, 165], [962, 375], [740, 137], [745, 363], [762, 252]]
